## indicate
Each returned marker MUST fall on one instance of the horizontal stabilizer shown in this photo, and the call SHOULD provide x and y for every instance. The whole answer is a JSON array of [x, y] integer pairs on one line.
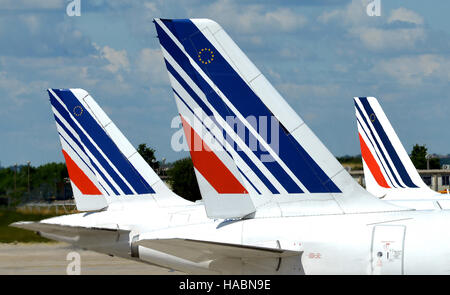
[[197, 250], [90, 202], [96, 238], [60, 229]]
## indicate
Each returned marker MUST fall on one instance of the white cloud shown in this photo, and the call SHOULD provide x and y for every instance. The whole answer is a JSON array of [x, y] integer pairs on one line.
[[31, 21], [288, 53], [117, 59], [14, 87], [308, 90], [379, 39], [150, 65], [252, 18], [354, 14], [285, 18], [412, 70], [371, 31], [405, 15], [32, 4], [151, 8]]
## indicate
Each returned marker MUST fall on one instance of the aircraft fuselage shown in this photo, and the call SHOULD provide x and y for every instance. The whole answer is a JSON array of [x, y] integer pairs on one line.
[[408, 242]]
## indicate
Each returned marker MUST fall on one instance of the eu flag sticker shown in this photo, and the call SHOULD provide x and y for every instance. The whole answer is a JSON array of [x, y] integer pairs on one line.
[[206, 56], [77, 111]]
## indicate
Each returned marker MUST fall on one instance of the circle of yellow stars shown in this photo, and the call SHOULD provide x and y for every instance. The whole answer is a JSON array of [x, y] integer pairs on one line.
[[372, 117], [206, 60], [77, 111]]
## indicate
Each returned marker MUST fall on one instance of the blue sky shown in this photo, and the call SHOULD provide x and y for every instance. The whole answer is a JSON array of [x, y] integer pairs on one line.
[[318, 54]]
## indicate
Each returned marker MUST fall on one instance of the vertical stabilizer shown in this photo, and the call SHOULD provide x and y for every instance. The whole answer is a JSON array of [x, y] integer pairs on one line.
[[102, 164], [266, 150], [388, 170]]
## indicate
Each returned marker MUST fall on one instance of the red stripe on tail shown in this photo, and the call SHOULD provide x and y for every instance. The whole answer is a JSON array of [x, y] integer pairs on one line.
[[209, 165], [82, 182], [372, 164]]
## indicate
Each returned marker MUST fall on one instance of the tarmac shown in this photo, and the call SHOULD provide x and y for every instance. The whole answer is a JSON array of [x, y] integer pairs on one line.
[[52, 259]]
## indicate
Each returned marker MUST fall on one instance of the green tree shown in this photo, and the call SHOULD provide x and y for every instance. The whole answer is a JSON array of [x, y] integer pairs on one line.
[[350, 159], [46, 182], [419, 158], [183, 180], [149, 155], [435, 163]]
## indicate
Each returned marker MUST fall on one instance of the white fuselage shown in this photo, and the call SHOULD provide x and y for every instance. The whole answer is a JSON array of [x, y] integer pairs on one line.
[[434, 203], [407, 242]]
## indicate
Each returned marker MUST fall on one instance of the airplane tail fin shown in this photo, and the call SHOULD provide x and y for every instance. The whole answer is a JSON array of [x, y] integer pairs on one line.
[[249, 147], [103, 166], [388, 170]]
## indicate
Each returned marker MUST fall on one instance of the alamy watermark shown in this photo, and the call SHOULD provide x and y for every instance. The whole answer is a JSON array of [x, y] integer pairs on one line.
[[74, 266], [74, 8], [374, 8], [260, 135]]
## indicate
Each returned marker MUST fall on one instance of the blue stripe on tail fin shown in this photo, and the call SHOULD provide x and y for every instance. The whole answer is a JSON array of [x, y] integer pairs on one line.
[[387, 144], [91, 128], [242, 98]]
